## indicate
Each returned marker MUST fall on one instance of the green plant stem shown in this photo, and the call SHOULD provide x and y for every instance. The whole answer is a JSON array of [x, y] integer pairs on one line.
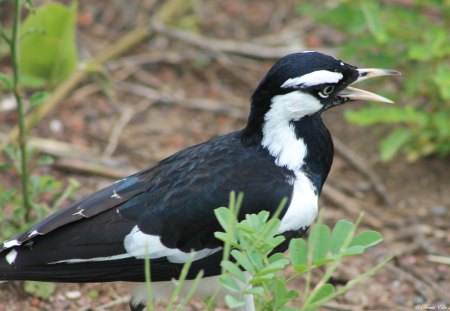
[[20, 110]]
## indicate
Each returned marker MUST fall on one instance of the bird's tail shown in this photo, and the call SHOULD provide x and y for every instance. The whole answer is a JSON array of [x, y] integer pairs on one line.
[[83, 272]]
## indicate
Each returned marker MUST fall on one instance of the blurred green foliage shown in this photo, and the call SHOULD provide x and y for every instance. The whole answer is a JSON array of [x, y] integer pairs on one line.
[[48, 52], [413, 37], [42, 188]]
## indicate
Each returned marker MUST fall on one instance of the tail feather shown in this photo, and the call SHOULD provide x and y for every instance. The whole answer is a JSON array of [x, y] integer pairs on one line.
[[128, 269]]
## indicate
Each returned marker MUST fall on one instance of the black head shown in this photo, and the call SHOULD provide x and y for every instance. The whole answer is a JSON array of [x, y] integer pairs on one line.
[[319, 75], [304, 84]]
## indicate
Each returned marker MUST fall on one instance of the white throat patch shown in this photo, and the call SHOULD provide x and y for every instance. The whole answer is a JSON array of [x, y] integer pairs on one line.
[[279, 134], [314, 78], [289, 151]]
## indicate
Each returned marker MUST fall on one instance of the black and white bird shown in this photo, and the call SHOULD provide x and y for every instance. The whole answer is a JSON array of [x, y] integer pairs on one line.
[[285, 151]]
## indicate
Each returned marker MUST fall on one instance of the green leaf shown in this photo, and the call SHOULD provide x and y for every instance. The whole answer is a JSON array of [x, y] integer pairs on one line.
[[367, 239], [230, 283], [233, 302], [393, 142], [271, 228], [298, 252], [38, 98], [354, 250], [372, 15], [256, 290], [243, 260], [276, 257], [273, 267], [93, 294], [39, 289], [324, 291], [442, 80], [301, 268], [48, 49], [341, 231], [44, 161], [233, 269], [222, 215], [319, 242], [322, 262]]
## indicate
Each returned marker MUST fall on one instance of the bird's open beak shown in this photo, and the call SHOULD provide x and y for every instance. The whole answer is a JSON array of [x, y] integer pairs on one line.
[[352, 93]]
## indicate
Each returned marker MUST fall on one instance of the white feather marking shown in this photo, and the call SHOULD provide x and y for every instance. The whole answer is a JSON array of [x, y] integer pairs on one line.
[[11, 243], [279, 134], [313, 78], [138, 243], [79, 213], [78, 260], [120, 180], [11, 256], [115, 195], [33, 233], [304, 205]]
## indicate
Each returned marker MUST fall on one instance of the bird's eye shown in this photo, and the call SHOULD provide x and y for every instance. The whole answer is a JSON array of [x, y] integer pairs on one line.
[[326, 91]]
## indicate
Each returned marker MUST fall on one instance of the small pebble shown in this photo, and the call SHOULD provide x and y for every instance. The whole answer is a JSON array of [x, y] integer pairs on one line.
[[73, 294], [56, 125]]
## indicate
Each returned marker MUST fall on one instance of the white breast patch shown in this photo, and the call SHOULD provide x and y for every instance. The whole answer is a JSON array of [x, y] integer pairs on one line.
[[303, 207]]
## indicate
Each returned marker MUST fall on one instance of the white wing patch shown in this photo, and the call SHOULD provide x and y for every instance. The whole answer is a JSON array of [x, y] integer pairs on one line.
[[138, 243], [313, 78]]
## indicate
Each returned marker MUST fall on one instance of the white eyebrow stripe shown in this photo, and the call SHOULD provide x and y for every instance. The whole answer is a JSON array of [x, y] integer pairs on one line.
[[314, 78]]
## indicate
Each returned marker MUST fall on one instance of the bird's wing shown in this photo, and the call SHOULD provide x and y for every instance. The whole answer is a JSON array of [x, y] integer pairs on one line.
[[166, 211], [88, 207]]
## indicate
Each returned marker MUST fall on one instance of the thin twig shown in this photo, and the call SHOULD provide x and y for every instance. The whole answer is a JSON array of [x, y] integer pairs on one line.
[[93, 167], [439, 259], [117, 130], [175, 98], [425, 279], [423, 288], [352, 205], [125, 117], [251, 50], [420, 237]]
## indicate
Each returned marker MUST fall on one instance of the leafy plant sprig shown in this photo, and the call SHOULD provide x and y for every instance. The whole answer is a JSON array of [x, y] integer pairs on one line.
[[253, 242]]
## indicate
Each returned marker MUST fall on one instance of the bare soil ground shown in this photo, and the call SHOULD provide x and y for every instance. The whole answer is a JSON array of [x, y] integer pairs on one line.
[[170, 92]]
